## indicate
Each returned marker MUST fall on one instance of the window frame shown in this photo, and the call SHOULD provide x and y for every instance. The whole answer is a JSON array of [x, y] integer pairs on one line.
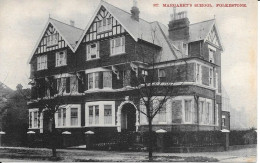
[[58, 59], [101, 108], [42, 62], [88, 51], [211, 72], [52, 40], [68, 123], [189, 112], [163, 77], [211, 55], [104, 25], [113, 46], [94, 80], [198, 73]]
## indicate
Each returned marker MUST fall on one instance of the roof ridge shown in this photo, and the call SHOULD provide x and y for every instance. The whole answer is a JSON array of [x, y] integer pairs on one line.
[[123, 10], [67, 24], [202, 21]]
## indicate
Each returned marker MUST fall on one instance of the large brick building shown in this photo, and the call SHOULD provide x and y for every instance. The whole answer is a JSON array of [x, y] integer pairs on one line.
[[90, 73]]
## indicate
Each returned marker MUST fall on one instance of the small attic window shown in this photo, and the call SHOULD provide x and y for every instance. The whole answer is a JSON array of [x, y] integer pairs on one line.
[[52, 40]]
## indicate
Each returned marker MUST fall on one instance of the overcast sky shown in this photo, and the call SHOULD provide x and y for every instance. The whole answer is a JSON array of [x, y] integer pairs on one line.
[[22, 21]]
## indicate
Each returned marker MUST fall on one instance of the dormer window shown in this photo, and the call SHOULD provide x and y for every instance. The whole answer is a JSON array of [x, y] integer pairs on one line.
[[61, 58], [104, 25], [93, 51], [52, 40]]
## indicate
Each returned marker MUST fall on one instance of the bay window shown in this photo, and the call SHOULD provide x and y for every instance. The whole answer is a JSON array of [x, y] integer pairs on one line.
[[117, 45]]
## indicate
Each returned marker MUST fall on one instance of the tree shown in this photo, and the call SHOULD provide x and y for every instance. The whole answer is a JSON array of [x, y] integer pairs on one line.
[[55, 97], [153, 92]]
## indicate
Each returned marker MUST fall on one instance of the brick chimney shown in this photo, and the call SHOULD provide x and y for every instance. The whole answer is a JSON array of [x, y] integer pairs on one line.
[[135, 11], [179, 26]]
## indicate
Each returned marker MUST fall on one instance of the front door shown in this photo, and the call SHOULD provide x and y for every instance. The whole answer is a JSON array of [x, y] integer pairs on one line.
[[128, 118]]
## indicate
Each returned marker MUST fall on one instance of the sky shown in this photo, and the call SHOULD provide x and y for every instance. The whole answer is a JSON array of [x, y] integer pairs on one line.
[[22, 21]]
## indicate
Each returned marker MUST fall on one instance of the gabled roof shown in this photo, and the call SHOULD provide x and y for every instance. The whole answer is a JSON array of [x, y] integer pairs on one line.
[[199, 31], [69, 33], [137, 29]]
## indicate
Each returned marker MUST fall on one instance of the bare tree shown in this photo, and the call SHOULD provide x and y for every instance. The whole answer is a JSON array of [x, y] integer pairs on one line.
[[154, 91], [55, 98]]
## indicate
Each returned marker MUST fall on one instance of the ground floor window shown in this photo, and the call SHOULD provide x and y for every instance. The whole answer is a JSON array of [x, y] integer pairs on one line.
[[34, 118], [101, 113], [68, 116]]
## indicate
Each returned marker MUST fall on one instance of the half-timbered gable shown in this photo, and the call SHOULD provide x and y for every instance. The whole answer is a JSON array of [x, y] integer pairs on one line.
[[103, 26]]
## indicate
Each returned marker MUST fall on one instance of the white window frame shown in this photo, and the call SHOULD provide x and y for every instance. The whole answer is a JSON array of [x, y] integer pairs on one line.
[[94, 80], [61, 61], [92, 52], [100, 105], [216, 115], [32, 111], [105, 25], [52, 40], [116, 50], [68, 116], [62, 111], [42, 62]]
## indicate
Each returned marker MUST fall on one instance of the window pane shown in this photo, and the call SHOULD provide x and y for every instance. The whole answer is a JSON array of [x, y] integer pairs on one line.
[[90, 114], [90, 81], [35, 123], [187, 111], [97, 114], [64, 116], [96, 80], [107, 114], [59, 117], [74, 116], [162, 113], [107, 79]]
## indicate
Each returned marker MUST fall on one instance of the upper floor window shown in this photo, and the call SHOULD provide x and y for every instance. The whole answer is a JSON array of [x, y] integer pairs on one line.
[[210, 77], [107, 79], [93, 51], [61, 58], [52, 40], [93, 80], [198, 73], [117, 45], [211, 55], [161, 75], [104, 24], [42, 62]]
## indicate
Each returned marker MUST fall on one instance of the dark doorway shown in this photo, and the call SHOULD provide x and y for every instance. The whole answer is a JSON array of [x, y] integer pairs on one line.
[[128, 117]]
